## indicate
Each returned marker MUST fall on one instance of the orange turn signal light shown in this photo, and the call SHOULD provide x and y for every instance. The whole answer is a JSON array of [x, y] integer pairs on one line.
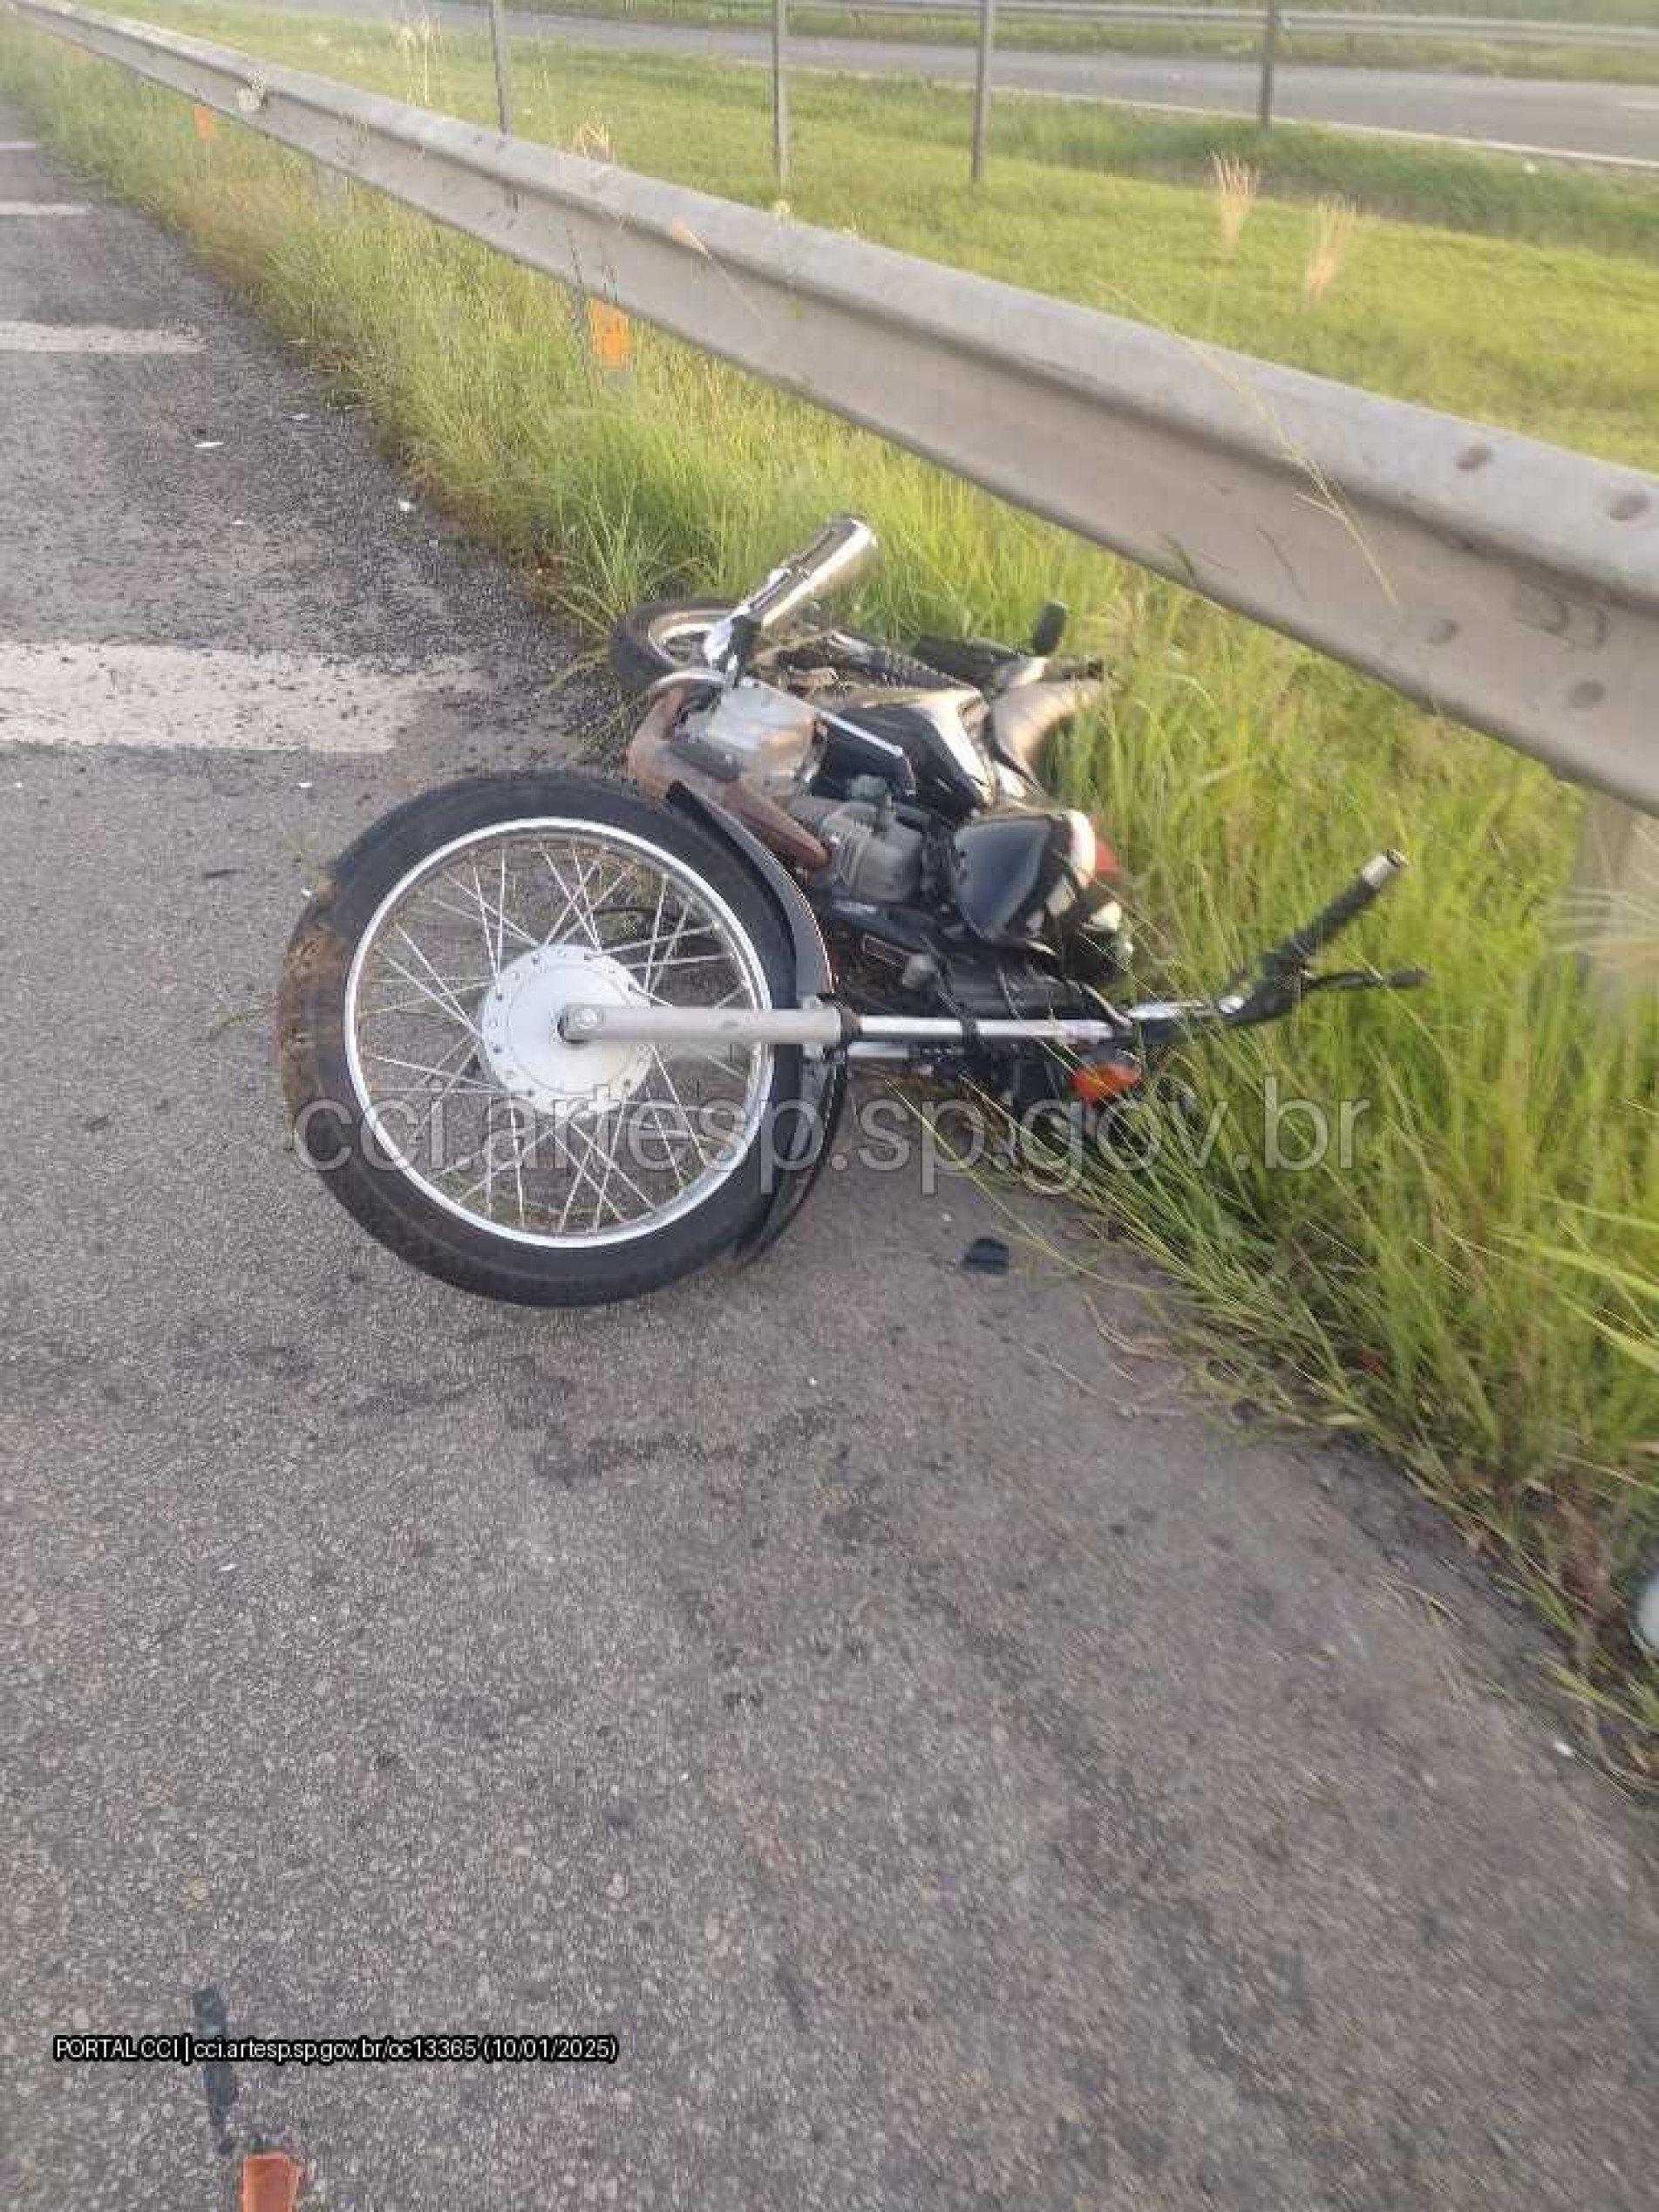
[[1105, 858], [1098, 1080]]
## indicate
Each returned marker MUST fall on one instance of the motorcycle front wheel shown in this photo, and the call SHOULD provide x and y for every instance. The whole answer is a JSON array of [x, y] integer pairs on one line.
[[427, 1077]]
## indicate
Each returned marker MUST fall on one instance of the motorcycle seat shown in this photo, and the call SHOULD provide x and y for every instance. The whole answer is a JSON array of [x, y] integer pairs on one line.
[[1021, 721]]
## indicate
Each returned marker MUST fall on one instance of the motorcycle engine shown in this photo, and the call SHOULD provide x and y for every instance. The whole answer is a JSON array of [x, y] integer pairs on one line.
[[766, 739], [872, 856]]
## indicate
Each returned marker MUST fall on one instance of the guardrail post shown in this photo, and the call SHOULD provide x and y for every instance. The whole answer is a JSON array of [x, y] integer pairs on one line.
[[503, 66], [1613, 902], [982, 88], [333, 188], [1269, 64], [780, 93]]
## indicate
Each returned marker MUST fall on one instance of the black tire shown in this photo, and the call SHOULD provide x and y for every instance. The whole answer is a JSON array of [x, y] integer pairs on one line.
[[330, 1116], [639, 650]]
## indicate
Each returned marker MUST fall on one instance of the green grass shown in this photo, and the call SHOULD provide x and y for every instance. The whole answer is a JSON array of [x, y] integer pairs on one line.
[[1406, 1297], [1445, 187], [1488, 56]]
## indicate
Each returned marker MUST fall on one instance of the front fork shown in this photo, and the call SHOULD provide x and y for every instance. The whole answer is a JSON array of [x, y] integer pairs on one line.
[[827, 1025]]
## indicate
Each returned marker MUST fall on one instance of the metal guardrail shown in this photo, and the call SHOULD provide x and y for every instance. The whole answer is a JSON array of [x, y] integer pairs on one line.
[[1337, 24], [1504, 583]]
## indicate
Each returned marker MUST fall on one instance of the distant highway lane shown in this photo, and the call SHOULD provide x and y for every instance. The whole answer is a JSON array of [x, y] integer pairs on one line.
[[1611, 122]]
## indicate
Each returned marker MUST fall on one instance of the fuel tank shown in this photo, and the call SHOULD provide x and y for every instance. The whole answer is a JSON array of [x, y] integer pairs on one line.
[[928, 733]]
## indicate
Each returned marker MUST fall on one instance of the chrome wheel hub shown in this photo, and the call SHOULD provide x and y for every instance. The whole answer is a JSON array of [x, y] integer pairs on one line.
[[517, 1021]]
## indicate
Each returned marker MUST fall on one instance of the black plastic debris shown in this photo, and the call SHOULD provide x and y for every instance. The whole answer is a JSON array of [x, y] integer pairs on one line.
[[987, 1255]]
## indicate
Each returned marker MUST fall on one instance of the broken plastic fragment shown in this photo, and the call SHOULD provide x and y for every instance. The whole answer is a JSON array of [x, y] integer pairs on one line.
[[270, 2182], [987, 1255]]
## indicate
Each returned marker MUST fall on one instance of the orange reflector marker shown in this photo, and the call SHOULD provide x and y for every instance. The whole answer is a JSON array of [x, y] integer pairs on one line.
[[270, 2182], [1098, 1080], [205, 121], [608, 334]]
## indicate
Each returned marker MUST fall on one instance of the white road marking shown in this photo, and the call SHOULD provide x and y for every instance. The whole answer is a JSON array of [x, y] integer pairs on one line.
[[69, 693], [19, 145], [93, 337], [44, 208]]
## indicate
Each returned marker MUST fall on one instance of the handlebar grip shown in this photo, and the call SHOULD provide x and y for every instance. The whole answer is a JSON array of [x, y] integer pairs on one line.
[[1299, 947]]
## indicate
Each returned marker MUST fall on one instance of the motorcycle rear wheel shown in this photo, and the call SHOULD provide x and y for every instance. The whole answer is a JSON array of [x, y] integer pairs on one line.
[[655, 640], [423, 1066], [665, 635]]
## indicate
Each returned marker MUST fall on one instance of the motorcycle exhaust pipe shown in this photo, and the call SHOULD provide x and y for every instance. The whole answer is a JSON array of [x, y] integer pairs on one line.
[[841, 550]]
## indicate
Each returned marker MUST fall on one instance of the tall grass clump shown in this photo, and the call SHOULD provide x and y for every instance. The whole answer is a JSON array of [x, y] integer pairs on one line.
[[1402, 1292], [1336, 227], [1236, 184], [1619, 927]]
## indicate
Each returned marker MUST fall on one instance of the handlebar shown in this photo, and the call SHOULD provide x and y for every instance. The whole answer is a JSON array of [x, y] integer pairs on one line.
[[1294, 952], [1282, 979]]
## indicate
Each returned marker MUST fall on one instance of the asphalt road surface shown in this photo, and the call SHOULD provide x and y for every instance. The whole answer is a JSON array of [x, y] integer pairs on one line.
[[1544, 115], [963, 1767]]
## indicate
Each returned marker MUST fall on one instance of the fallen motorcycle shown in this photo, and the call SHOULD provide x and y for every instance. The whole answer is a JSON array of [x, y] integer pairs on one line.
[[561, 1038]]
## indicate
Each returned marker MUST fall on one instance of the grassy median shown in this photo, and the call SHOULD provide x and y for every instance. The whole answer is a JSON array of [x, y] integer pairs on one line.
[[1409, 1295], [1470, 54]]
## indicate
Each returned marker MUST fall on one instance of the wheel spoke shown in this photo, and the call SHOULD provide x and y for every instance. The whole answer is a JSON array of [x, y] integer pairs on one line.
[[679, 1106], [456, 1082], [442, 996], [518, 1179], [423, 1005], [573, 1127], [576, 902], [686, 960], [713, 1059], [654, 962], [485, 913], [642, 944]]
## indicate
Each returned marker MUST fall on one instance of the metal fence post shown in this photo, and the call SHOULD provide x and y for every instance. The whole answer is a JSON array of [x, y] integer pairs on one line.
[[1269, 63], [333, 190], [780, 93], [1613, 902], [503, 66], [982, 88]]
